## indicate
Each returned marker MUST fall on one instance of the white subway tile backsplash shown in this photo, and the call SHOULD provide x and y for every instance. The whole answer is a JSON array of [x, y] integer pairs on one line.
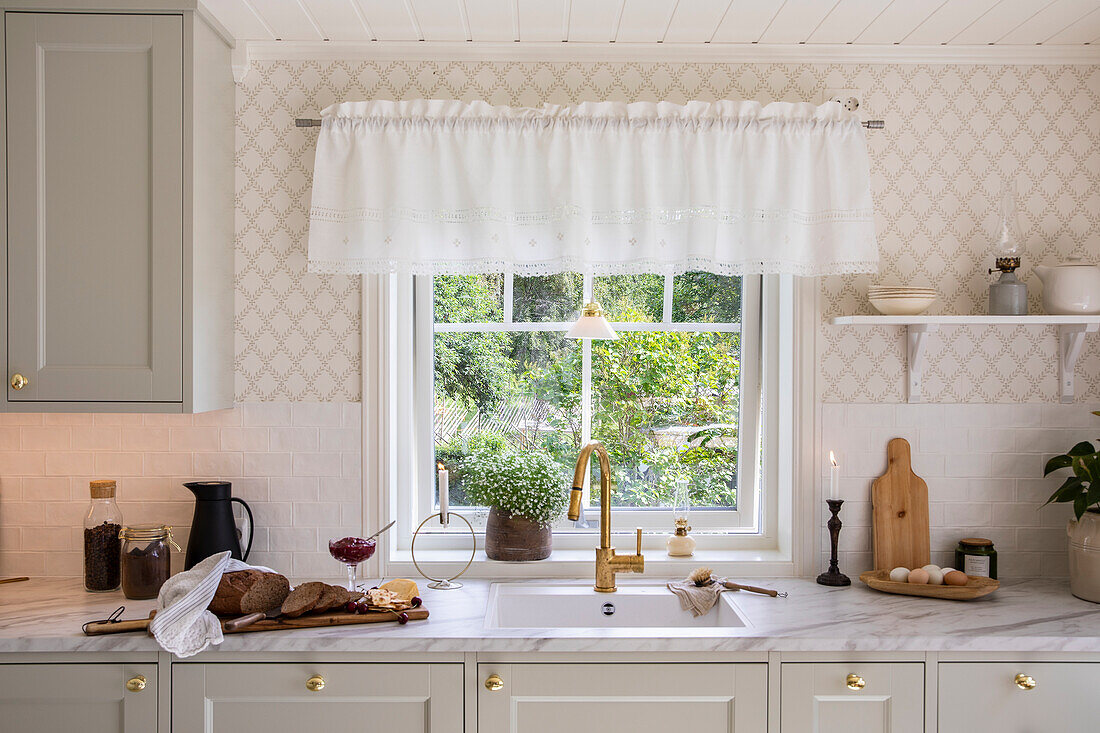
[[984, 469], [297, 465]]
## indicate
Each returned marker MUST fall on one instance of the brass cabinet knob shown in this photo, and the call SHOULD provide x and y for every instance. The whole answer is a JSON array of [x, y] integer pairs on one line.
[[316, 683], [1025, 681], [18, 381], [136, 684], [855, 682], [493, 683]]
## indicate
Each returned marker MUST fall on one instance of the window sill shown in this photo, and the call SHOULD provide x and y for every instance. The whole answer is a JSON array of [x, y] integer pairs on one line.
[[581, 564]]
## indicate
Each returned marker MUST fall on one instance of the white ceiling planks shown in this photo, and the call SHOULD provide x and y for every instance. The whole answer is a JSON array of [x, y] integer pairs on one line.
[[341, 21], [695, 21], [492, 20], [1049, 23], [438, 20], [1086, 30], [947, 21], [542, 20], [920, 26], [646, 21], [288, 19], [1001, 20], [797, 20], [898, 20], [594, 21], [746, 21], [845, 21]]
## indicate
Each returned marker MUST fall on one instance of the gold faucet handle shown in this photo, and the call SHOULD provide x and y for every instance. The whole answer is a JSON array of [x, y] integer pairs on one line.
[[639, 531]]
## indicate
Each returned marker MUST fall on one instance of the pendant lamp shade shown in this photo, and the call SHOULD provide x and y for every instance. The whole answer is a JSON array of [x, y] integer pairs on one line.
[[592, 325]]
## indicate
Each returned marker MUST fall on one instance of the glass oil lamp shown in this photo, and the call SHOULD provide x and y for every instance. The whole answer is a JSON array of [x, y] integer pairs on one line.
[[1008, 295], [680, 543]]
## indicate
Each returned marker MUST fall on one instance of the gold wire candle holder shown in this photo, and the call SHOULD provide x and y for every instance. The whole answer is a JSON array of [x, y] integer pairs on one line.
[[444, 583]]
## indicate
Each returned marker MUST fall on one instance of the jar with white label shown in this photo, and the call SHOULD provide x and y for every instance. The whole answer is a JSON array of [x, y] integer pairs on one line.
[[976, 556]]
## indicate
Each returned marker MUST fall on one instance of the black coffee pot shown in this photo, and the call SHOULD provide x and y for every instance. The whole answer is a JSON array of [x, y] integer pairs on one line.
[[212, 528]]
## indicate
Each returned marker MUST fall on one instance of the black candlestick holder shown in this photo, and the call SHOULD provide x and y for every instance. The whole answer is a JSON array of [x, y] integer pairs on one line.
[[833, 576]]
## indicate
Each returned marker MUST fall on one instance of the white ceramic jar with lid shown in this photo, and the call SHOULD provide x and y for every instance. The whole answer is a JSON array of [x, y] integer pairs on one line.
[[1071, 288]]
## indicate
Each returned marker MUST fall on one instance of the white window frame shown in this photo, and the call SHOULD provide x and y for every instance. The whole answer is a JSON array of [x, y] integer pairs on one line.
[[390, 343]]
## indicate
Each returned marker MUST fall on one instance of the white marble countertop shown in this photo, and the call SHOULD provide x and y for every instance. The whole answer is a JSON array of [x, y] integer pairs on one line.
[[45, 615]]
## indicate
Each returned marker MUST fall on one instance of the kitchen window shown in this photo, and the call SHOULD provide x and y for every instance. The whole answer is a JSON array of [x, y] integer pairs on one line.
[[487, 366]]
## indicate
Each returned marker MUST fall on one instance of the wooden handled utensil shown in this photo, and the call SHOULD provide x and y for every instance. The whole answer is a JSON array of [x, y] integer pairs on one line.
[[248, 620], [107, 626], [730, 585], [13, 580]]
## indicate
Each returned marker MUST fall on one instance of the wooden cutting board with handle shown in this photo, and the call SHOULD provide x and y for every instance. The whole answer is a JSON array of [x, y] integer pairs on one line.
[[899, 501]]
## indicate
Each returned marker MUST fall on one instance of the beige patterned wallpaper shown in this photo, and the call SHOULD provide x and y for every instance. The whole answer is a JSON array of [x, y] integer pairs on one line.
[[952, 133]]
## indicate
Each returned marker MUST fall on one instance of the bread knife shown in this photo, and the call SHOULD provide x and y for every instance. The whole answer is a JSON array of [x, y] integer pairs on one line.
[[239, 623]]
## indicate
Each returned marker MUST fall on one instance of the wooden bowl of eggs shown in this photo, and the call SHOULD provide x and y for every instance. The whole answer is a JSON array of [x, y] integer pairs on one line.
[[930, 581]]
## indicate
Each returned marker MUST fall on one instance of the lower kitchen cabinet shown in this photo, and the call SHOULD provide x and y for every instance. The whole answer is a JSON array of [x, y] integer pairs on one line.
[[90, 698], [1020, 697], [622, 698], [261, 698], [854, 698]]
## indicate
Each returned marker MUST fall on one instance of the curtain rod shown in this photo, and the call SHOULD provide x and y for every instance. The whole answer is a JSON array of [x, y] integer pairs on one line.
[[307, 122]]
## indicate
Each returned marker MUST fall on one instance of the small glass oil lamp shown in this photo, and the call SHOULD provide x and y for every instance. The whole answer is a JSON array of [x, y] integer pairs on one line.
[[680, 543], [1008, 295]]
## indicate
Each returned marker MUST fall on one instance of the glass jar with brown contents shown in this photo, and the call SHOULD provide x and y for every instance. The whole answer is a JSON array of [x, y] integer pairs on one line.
[[146, 559], [101, 546]]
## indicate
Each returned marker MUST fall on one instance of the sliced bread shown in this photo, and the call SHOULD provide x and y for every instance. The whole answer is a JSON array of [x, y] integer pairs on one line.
[[302, 599], [249, 591]]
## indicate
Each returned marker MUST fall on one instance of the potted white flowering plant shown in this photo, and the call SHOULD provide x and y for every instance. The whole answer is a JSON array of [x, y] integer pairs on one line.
[[525, 493]]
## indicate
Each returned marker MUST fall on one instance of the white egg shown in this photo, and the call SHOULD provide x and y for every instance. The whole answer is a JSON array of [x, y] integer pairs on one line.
[[935, 576], [899, 574], [945, 571], [930, 567]]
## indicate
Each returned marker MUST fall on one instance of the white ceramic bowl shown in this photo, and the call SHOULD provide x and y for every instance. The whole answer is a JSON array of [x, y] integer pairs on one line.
[[902, 306]]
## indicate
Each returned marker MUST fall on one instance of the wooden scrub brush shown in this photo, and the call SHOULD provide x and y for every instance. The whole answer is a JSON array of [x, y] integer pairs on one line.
[[704, 576]]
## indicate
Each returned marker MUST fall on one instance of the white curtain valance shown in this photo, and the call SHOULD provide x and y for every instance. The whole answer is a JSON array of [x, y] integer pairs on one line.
[[432, 187]]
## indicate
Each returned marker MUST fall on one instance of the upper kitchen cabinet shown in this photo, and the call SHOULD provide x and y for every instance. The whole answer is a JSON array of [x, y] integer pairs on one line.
[[118, 256]]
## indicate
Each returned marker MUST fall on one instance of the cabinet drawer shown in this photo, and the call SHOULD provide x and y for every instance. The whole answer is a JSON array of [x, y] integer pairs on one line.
[[261, 698], [988, 696], [852, 697], [622, 698], [89, 698]]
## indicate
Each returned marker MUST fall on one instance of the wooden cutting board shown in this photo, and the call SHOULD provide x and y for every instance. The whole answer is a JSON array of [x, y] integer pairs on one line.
[[337, 618], [899, 500]]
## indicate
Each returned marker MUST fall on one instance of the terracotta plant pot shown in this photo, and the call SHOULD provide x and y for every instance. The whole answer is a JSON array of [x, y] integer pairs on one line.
[[514, 538], [1084, 556]]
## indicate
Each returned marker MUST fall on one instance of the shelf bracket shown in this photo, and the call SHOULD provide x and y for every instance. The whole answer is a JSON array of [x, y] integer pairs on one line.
[[916, 336], [1070, 340]]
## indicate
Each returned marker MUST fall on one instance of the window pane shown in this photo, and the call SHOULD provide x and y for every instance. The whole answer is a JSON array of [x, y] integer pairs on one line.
[[549, 298], [526, 396], [637, 298], [666, 407], [701, 297], [469, 298]]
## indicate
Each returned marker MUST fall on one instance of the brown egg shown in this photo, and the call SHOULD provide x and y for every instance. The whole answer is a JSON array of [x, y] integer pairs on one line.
[[919, 576], [955, 577]]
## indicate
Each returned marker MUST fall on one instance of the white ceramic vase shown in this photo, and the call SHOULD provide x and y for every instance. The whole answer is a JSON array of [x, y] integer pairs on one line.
[[1084, 556]]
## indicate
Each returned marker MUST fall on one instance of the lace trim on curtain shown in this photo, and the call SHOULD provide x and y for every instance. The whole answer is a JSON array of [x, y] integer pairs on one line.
[[590, 123], [634, 267], [572, 211]]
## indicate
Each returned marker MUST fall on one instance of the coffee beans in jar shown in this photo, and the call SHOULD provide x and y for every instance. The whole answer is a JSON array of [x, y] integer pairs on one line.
[[102, 546]]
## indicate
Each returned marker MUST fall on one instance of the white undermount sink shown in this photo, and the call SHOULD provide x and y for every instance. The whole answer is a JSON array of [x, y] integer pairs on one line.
[[555, 606]]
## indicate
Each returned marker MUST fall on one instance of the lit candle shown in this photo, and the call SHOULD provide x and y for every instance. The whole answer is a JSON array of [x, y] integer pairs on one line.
[[834, 478], [444, 488]]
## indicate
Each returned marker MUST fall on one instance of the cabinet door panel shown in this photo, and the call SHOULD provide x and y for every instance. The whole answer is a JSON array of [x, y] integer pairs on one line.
[[261, 698], [985, 696], [623, 698], [816, 697], [95, 206], [90, 698]]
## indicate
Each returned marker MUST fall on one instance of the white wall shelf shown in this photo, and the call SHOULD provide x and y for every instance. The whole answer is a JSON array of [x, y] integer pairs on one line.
[[1071, 337]]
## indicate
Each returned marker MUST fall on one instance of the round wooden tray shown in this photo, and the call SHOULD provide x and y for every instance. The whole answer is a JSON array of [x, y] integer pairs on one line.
[[975, 587]]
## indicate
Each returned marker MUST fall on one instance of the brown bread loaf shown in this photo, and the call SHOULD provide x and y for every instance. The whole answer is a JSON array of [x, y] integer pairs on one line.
[[331, 597], [302, 599], [249, 591]]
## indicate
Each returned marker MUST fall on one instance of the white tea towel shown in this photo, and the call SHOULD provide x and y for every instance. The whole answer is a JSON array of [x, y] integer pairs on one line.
[[698, 599], [182, 624]]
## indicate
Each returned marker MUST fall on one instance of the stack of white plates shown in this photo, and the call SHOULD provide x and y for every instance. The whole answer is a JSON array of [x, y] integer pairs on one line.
[[901, 301]]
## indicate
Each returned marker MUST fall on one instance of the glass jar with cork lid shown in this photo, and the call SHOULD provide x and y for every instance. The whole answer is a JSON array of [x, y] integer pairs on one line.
[[101, 543]]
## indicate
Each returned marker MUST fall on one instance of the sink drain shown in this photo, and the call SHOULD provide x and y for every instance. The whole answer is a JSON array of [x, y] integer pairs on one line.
[[608, 609]]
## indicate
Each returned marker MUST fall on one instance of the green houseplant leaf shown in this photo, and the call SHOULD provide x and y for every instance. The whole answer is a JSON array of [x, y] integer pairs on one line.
[[1082, 489]]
